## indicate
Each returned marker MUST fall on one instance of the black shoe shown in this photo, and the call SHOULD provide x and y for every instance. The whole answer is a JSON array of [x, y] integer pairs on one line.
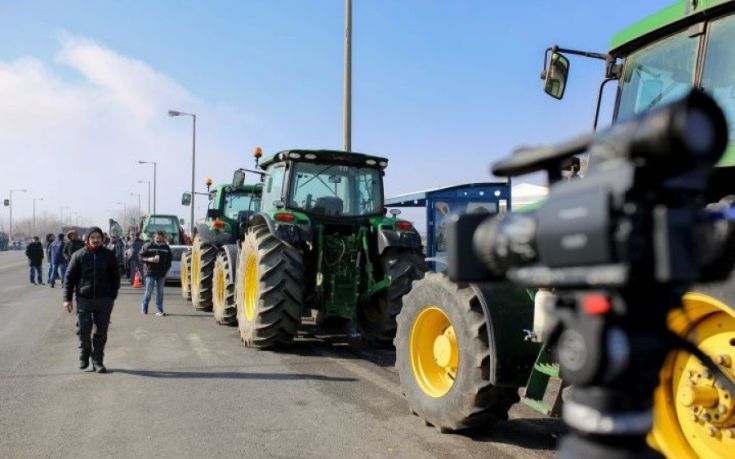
[[83, 364], [99, 368], [51, 285]]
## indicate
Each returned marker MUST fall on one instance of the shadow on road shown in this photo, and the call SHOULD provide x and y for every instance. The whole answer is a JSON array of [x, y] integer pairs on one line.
[[229, 375], [537, 433]]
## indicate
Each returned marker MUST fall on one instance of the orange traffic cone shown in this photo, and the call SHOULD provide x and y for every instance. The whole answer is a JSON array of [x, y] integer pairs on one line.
[[136, 281]]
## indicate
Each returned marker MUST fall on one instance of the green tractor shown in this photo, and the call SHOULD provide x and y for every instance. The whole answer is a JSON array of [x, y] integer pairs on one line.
[[215, 244], [322, 242], [461, 349]]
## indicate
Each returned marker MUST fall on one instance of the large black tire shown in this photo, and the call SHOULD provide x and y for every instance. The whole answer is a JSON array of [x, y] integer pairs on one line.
[[376, 319], [203, 256], [223, 294], [185, 275], [270, 290], [450, 391]]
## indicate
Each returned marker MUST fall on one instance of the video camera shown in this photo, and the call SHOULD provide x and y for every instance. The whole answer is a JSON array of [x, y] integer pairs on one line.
[[619, 247]]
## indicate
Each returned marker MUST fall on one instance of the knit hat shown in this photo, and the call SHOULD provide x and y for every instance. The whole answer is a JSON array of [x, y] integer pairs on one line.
[[95, 229]]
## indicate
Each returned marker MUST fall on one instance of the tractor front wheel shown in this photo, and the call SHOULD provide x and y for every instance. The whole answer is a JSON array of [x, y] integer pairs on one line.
[[270, 290], [694, 416], [184, 273], [223, 298], [443, 357], [376, 319], [203, 256]]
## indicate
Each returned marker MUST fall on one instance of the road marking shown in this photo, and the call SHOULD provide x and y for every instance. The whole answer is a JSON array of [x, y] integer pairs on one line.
[[200, 349]]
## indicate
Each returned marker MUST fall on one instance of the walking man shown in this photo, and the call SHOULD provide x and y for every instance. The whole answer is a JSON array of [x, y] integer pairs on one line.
[[34, 252], [136, 243], [49, 240], [117, 246], [156, 256], [58, 262], [73, 243], [93, 276]]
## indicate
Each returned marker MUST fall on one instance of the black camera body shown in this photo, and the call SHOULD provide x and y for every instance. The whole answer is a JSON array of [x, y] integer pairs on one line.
[[637, 217]]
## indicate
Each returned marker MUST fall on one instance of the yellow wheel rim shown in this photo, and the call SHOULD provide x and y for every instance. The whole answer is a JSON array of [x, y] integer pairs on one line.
[[434, 352], [184, 275], [219, 286], [250, 287], [693, 416], [195, 255]]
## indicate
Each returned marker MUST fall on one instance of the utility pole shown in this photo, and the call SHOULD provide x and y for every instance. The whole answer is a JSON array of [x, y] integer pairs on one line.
[[347, 109], [11, 210], [34, 215]]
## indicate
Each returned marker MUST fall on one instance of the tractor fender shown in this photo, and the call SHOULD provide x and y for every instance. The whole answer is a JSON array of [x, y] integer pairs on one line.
[[405, 239], [230, 251], [508, 313], [213, 237], [294, 235]]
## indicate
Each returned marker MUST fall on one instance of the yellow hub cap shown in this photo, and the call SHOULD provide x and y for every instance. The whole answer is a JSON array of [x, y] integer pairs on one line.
[[250, 287], [694, 415], [195, 265], [433, 352]]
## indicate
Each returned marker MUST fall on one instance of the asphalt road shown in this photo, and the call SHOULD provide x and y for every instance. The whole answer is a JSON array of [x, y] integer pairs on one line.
[[182, 386]]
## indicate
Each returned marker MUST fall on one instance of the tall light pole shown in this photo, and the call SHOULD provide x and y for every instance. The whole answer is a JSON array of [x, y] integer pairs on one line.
[[149, 193], [133, 194], [154, 181], [34, 214], [347, 111], [20, 190], [61, 215], [125, 210], [193, 160]]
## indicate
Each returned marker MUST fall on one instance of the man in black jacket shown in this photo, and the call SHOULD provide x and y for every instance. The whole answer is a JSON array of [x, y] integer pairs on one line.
[[156, 255], [92, 274], [34, 252], [72, 245]]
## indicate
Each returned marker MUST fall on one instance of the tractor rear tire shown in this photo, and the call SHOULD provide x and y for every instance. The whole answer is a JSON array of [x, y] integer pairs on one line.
[[223, 295], [443, 357], [376, 320], [203, 256], [185, 273], [707, 320], [270, 290]]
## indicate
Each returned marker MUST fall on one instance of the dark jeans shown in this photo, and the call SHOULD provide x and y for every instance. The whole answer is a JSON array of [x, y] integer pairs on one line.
[[37, 270], [93, 312], [55, 268]]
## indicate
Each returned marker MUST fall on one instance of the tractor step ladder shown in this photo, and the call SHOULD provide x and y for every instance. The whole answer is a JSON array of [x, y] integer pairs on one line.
[[544, 370]]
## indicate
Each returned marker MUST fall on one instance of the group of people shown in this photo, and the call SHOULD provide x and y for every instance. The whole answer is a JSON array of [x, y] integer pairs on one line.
[[91, 271]]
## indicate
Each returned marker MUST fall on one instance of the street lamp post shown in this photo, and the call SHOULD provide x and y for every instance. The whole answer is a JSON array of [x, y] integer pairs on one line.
[[61, 215], [149, 193], [133, 194], [125, 210], [34, 214], [154, 181], [193, 160], [347, 109], [11, 208]]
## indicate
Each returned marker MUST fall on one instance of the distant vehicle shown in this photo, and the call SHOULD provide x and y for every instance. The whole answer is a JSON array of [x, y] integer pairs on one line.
[[4, 240]]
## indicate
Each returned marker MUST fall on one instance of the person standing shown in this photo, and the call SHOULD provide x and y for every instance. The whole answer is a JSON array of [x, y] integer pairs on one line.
[[156, 256], [117, 246], [72, 245], [136, 243], [58, 262], [92, 275], [34, 252], [49, 240]]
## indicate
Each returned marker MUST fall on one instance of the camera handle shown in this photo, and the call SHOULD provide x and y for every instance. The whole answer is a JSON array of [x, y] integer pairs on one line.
[[611, 346]]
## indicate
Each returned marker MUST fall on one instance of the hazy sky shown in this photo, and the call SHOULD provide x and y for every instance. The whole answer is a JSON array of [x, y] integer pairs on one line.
[[441, 88]]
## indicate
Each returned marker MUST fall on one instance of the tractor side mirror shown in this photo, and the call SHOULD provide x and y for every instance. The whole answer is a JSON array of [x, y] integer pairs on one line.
[[238, 178], [181, 221], [395, 212], [555, 80], [186, 199]]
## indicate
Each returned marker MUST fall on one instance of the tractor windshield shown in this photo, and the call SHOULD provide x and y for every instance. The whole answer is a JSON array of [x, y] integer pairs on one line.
[[336, 190], [657, 74], [238, 201], [167, 224]]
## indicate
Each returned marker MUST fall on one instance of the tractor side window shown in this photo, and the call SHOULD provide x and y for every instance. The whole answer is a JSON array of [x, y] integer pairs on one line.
[[274, 187], [718, 77], [657, 74]]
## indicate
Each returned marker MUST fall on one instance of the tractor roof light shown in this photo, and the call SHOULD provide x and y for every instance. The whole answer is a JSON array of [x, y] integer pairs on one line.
[[258, 152], [284, 217], [370, 162], [294, 155], [310, 156], [383, 163], [208, 182]]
